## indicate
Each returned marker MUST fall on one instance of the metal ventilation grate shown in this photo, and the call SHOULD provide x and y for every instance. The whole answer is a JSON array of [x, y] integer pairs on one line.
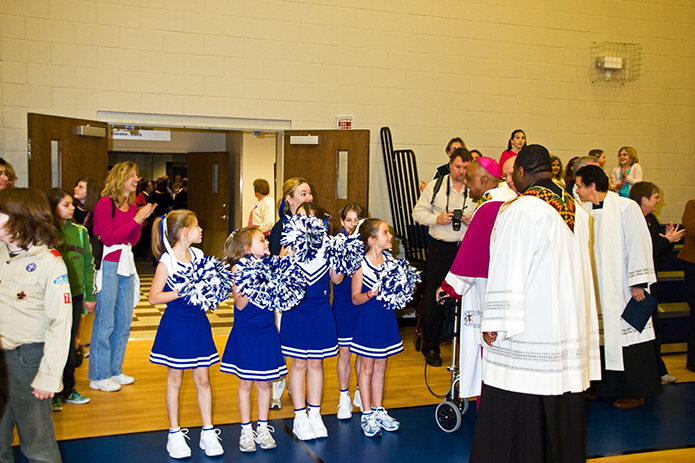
[[615, 62]]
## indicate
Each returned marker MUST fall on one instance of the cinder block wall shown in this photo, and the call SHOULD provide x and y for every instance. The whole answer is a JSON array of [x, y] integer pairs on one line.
[[429, 69]]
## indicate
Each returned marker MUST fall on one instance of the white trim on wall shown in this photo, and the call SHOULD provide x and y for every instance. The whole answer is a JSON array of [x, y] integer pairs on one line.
[[194, 122]]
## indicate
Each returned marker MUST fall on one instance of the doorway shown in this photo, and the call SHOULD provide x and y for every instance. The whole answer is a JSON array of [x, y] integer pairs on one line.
[[216, 163]]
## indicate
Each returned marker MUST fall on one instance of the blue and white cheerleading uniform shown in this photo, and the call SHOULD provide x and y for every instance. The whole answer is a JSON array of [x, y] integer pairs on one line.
[[184, 338], [376, 333], [308, 331], [253, 348], [345, 311]]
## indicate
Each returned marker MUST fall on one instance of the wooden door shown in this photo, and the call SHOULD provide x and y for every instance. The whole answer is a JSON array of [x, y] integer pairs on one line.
[[208, 197], [318, 164], [58, 151]]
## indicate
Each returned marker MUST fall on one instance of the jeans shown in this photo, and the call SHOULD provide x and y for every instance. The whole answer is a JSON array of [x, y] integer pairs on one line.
[[112, 319], [18, 406]]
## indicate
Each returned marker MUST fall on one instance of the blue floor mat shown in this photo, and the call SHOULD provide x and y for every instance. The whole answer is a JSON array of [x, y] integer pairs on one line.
[[666, 421]]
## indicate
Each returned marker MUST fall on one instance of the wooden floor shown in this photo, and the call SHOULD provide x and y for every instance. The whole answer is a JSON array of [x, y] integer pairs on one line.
[[140, 407]]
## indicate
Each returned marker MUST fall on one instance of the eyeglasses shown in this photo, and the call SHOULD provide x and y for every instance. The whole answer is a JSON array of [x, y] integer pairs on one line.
[[4, 174]]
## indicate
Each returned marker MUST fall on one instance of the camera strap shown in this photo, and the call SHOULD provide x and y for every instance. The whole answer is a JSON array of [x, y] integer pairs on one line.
[[438, 186]]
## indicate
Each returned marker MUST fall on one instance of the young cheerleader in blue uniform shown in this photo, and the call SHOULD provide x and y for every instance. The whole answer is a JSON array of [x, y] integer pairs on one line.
[[308, 335], [184, 337], [376, 335], [345, 319], [253, 348]]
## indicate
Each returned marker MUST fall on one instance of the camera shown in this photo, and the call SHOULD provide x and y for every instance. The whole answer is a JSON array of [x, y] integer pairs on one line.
[[456, 221]]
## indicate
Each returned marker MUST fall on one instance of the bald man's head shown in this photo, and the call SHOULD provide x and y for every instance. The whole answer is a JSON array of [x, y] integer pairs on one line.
[[507, 170]]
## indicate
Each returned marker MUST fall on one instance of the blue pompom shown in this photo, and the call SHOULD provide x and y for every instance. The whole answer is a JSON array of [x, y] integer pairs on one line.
[[273, 283], [344, 254], [207, 282], [398, 280], [305, 234]]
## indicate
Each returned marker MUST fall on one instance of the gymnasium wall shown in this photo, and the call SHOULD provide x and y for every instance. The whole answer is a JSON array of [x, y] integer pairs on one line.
[[429, 69]]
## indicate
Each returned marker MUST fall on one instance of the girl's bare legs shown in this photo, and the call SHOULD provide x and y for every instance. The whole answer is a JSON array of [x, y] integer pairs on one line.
[[344, 367], [365, 382], [201, 378], [174, 380], [358, 364], [244, 397], [297, 379], [378, 377], [263, 391], [314, 382]]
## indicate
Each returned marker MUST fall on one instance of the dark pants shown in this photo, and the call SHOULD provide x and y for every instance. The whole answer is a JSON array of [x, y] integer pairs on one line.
[[18, 406], [640, 377], [69, 370], [515, 427], [439, 260], [689, 271], [658, 338]]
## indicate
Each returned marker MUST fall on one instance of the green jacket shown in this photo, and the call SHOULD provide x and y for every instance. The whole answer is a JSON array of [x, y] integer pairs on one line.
[[73, 244]]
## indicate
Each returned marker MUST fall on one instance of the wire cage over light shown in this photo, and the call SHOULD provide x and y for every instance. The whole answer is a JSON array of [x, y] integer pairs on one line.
[[615, 62]]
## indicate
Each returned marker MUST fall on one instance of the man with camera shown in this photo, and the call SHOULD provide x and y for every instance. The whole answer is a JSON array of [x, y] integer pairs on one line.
[[442, 207]]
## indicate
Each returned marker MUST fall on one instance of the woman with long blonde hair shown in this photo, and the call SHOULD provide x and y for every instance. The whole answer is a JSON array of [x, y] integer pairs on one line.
[[117, 221]]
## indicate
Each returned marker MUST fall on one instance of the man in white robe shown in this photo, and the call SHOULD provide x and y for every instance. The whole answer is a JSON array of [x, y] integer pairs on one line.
[[539, 323], [624, 268], [467, 278]]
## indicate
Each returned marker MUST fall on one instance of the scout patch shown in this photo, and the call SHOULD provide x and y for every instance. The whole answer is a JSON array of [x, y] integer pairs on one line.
[[62, 280], [21, 294], [31, 267]]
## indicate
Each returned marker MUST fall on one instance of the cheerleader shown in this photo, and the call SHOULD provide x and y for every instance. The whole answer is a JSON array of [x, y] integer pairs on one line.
[[308, 335], [253, 348], [184, 337], [376, 335], [345, 318]]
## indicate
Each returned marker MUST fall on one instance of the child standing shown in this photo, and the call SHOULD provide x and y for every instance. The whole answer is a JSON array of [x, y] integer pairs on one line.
[[308, 335], [253, 348], [376, 334], [628, 172], [345, 318], [184, 337], [35, 321], [73, 244]]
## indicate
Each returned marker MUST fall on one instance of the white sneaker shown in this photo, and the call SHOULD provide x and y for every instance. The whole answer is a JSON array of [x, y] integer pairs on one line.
[[264, 439], [344, 408], [210, 442], [369, 426], [302, 428], [358, 400], [385, 421], [668, 379], [247, 440], [276, 404], [177, 446], [123, 379], [317, 425], [106, 385]]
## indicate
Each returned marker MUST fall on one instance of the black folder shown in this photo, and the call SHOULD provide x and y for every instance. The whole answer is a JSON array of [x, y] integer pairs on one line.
[[637, 314]]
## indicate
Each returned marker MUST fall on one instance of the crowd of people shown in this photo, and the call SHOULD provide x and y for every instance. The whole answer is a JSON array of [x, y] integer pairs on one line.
[[547, 283], [544, 262]]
